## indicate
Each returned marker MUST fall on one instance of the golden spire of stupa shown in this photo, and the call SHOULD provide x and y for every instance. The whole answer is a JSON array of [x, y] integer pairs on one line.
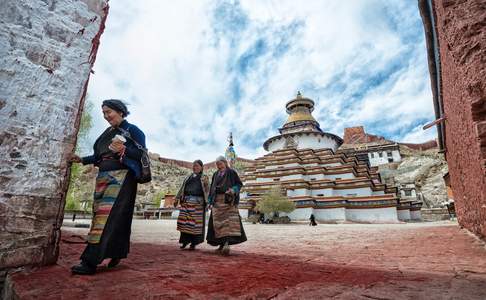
[[300, 109]]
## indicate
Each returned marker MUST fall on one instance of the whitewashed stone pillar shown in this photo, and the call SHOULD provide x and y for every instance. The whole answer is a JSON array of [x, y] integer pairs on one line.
[[47, 50]]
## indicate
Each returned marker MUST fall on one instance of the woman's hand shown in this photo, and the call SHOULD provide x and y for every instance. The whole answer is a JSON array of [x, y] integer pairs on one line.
[[74, 158], [117, 146]]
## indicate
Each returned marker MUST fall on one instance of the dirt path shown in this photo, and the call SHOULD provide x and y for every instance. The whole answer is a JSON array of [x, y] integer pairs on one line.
[[351, 261]]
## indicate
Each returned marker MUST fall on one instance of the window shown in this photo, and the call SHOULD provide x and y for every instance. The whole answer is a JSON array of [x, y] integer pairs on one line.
[[380, 154], [372, 155], [389, 153], [390, 159], [276, 179], [408, 193], [337, 178], [312, 179], [320, 195]]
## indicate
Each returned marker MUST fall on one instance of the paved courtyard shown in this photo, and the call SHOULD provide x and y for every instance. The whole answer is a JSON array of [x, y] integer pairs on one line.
[[347, 261]]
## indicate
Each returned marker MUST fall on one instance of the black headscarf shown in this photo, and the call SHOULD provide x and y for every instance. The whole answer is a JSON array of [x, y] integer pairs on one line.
[[117, 105], [199, 162]]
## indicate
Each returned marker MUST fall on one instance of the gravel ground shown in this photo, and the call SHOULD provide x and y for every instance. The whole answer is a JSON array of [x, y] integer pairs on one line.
[[347, 261]]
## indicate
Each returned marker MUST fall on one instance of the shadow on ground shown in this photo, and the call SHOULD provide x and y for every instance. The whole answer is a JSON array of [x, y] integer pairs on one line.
[[166, 272]]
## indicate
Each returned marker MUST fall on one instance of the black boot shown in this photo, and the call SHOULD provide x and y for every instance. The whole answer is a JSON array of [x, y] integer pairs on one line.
[[192, 247], [226, 249], [83, 269], [184, 245], [113, 262]]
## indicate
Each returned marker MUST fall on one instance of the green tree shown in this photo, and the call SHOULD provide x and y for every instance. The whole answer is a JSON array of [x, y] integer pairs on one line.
[[79, 194], [274, 202], [85, 125], [158, 198]]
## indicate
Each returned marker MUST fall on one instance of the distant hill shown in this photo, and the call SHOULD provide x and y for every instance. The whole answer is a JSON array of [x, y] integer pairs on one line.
[[167, 177]]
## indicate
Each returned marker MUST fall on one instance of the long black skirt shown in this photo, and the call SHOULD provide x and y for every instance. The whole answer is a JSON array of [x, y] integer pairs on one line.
[[115, 239], [229, 212], [187, 238], [232, 240]]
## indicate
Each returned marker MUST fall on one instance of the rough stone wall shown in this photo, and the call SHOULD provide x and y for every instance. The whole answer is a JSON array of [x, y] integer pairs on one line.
[[461, 29], [47, 49], [425, 169], [357, 135]]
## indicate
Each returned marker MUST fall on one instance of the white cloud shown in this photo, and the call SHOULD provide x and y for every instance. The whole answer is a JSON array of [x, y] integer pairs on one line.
[[181, 67]]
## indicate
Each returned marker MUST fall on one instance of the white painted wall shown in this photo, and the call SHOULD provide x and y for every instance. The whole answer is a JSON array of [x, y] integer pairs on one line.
[[335, 164], [301, 192], [416, 215], [264, 179], [365, 191], [243, 213], [373, 215], [342, 176], [292, 177], [376, 160], [305, 141], [289, 165], [330, 214], [315, 177], [299, 214], [276, 144], [324, 192], [316, 142], [250, 181], [404, 214]]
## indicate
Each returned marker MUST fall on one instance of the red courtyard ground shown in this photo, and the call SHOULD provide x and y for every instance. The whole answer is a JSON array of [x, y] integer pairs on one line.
[[350, 261]]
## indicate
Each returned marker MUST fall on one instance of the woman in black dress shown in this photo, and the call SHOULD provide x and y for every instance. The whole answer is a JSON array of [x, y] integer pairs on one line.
[[192, 197], [118, 161]]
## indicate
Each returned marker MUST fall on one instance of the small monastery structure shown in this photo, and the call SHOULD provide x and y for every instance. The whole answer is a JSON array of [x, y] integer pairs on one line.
[[334, 186]]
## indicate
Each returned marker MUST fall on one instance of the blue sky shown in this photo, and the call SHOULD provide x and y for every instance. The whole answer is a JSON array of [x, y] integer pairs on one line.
[[192, 71]]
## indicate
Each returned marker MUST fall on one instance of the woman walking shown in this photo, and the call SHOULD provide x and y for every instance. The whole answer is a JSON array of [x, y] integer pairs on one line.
[[225, 227], [118, 160], [192, 197]]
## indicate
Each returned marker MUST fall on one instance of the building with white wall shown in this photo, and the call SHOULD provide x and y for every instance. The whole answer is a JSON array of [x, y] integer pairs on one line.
[[303, 162], [384, 154], [378, 154]]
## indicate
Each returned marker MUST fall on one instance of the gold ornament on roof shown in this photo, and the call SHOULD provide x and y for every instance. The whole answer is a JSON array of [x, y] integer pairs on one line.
[[300, 109]]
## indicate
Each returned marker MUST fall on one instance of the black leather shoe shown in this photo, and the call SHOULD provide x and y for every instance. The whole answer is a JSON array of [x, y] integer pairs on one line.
[[226, 249], [192, 247], [83, 269], [184, 245], [113, 262]]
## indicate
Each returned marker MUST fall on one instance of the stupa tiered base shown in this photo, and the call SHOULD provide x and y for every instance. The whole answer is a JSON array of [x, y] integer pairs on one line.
[[334, 186]]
